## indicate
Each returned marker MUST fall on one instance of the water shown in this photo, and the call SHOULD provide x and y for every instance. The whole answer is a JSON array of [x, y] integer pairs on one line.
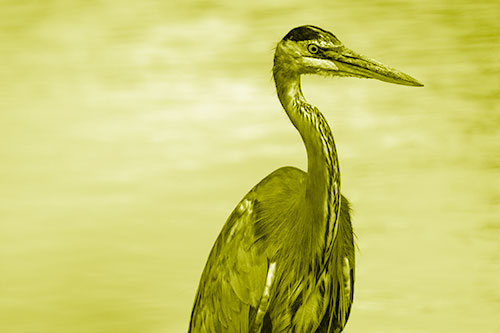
[[129, 132]]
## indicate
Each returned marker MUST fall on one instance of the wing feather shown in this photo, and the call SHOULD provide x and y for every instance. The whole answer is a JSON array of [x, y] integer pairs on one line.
[[234, 277]]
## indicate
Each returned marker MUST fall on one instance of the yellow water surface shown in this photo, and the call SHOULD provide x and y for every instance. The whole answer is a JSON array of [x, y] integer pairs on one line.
[[130, 129]]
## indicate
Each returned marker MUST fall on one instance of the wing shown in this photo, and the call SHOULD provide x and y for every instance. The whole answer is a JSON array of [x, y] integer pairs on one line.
[[234, 277], [235, 286]]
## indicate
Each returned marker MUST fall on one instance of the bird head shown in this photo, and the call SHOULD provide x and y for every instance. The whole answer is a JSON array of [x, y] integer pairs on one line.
[[311, 50]]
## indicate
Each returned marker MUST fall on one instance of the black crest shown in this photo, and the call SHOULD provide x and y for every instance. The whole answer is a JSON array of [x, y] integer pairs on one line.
[[304, 32], [308, 32]]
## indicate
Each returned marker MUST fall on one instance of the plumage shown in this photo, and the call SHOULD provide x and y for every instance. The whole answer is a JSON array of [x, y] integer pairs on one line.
[[238, 263], [284, 260]]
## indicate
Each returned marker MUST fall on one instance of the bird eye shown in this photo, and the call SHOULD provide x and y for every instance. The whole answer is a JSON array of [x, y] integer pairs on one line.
[[313, 48]]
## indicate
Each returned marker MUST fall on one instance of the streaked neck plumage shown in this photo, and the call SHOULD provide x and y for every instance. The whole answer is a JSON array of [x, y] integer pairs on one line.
[[322, 192]]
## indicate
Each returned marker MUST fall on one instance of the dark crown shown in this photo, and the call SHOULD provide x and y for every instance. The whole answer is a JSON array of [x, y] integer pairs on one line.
[[307, 32]]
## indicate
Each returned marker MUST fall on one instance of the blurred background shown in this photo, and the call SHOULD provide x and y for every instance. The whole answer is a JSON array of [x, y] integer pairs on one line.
[[129, 130]]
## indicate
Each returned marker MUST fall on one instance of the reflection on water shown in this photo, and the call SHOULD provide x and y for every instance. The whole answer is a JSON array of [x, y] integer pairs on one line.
[[130, 131]]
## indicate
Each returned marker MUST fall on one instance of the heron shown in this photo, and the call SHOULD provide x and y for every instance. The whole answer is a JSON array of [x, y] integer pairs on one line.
[[285, 258]]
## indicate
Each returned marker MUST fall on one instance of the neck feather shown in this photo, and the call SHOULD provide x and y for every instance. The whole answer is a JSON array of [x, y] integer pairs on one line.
[[322, 192]]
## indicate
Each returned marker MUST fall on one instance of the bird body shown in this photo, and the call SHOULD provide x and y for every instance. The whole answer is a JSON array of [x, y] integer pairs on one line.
[[284, 261], [255, 235]]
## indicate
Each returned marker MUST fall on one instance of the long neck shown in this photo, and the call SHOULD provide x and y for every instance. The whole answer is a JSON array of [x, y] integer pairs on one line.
[[322, 193]]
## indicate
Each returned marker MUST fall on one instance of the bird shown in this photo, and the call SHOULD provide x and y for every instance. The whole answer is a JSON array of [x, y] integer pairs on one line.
[[284, 260]]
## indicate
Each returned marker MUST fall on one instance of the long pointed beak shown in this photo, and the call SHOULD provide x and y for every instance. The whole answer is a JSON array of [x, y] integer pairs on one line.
[[352, 64]]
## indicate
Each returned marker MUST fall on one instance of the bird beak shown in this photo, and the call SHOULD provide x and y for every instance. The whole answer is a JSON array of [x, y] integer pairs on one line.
[[350, 63]]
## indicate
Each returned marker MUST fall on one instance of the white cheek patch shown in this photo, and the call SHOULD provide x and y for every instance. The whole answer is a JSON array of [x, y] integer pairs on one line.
[[320, 64]]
